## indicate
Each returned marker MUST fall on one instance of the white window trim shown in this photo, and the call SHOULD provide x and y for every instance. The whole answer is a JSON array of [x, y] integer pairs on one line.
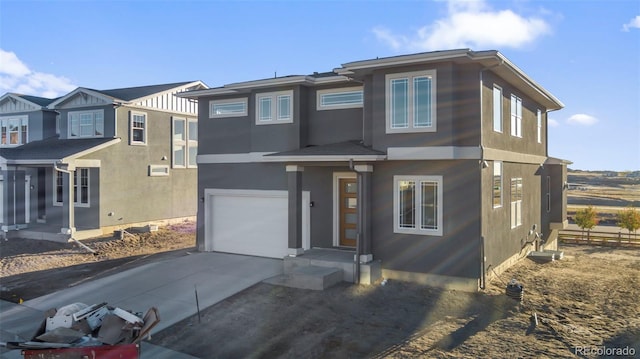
[[191, 144], [539, 125], [275, 107], [495, 165], [516, 206], [516, 122], [410, 76], [4, 121], [493, 94], [144, 130], [335, 91], [186, 143], [418, 207], [244, 101], [58, 203], [93, 112], [154, 173]]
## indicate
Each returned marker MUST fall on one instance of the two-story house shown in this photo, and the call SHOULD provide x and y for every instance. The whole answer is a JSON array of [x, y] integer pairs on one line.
[[433, 165], [96, 160]]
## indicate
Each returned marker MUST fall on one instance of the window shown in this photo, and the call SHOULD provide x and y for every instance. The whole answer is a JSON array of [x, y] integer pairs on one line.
[[86, 124], [80, 187], [516, 202], [411, 102], [274, 107], [418, 205], [184, 142], [158, 170], [14, 131], [539, 125], [548, 194], [350, 97], [516, 116], [497, 184], [228, 108], [138, 126], [497, 108]]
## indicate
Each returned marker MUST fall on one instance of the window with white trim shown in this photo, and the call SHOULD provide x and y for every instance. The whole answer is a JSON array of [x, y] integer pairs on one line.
[[138, 128], [235, 107], [80, 188], [497, 108], [14, 130], [497, 184], [184, 141], [274, 107], [333, 99], [411, 102], [417, 204], [516, 202], [83, 124], [516, 116], [539, 125]]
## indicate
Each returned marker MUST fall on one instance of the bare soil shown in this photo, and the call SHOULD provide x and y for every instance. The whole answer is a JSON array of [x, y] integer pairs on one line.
[[583, 302], [32, 268]]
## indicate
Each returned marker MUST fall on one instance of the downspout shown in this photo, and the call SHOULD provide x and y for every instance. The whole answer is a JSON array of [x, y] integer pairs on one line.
[[483, 257]]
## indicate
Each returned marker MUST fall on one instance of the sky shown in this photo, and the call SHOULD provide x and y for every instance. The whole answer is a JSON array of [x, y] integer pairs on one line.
[[586, 53]]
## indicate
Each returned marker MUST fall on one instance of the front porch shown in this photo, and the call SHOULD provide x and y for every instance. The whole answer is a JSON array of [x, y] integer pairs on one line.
[[50, 232], [320, 268]]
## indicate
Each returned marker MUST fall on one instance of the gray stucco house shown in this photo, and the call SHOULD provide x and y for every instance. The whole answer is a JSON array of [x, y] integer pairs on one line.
[[433, 165], [96, 160]]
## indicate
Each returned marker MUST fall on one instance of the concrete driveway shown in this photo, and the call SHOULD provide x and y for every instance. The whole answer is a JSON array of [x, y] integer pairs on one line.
[[168, 285]]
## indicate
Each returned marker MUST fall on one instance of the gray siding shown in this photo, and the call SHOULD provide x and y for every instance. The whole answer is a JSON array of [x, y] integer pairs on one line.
[[457, 251], [332, 126]]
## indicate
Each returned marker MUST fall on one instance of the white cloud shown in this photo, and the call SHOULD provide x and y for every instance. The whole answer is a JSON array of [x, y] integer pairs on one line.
[[469, 24], [553, 123], [15, 76], [633, 23], [582, 119]]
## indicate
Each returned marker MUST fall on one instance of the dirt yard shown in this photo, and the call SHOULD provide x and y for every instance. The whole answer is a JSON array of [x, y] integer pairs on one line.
[[32, 268], [583, 303]]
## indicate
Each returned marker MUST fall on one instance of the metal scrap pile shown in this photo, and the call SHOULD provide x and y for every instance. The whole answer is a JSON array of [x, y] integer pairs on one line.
[[78, 325]]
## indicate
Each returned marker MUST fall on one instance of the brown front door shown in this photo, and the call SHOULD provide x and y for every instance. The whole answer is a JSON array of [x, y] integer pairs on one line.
[[348, 208]]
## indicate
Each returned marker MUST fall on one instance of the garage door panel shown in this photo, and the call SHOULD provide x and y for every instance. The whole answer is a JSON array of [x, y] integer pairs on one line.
[[251, 222]]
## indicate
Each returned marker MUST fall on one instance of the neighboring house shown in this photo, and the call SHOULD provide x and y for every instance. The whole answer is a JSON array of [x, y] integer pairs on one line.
[[96, 160], [434, 164]]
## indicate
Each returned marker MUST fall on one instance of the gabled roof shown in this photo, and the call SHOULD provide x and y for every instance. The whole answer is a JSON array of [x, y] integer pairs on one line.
[[53, 150], [341, 151], [129, 94], [28, 103]]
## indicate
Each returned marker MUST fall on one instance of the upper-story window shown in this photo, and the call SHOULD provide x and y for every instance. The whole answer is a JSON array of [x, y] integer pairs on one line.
[[516, 116], [274, 107], [497, 108], [228, 108], [184, 142], [411, 102], [138, 128], [332, 99], [14, 130], [86, 124], [539, 125]]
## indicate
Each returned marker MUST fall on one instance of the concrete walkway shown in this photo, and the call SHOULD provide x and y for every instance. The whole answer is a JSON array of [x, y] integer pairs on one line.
[[168, 285]]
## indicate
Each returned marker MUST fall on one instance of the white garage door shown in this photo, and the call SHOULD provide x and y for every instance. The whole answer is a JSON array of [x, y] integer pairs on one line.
[[250, 222]]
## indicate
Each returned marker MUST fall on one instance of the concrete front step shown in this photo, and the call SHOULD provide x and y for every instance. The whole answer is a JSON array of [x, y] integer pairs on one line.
[[308, 277]]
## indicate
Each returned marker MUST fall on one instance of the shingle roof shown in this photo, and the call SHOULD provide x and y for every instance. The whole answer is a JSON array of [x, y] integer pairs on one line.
[[131, 93], [41, 101], [51, 149]]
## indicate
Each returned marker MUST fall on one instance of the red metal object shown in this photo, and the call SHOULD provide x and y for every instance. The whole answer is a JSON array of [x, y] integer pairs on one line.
[[125, 351]]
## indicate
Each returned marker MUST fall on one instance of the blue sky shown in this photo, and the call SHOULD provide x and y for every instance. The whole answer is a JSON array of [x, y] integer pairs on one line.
[[587, 53]]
